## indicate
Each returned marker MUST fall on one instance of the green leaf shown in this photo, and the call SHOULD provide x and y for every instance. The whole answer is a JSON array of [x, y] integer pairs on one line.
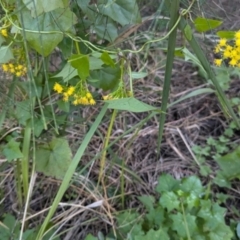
[[2, 40], [121, 11], [39, 6], [63, 105], [23, 112], [38, 126], [53, 159], [154, 235], [95, 63], [221, 232], [192, 184], [10, 228], [226, 34], [188, 32], [192, 58], [5, 54], [170, 201], [81, 63], [129, 104], [147, 201], [166, 183], [137, 75], [107, 59], [179, 224], [204, 24], [46, 31], [126, 222], [67, 73], [230, 164], [108, 78], [90, 237], [12, 150]]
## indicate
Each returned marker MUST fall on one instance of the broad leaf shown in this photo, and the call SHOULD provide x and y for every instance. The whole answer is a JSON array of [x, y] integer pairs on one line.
[[5, 54], [67, 73], [53, 159], [179, 224], [121, 11], [154, 235], [37, 7], [130, 104], [204, 24], [192, 184], [169, 200], [166, 183], [226, 34], [107, 59], [147, 201], [81, 63], [12, 151], [108, 78], [230, 164], [46, 31]]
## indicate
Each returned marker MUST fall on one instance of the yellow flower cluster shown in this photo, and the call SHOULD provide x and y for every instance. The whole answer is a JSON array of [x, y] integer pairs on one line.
[[75, 95], [16, 69], [228, 51], [4, 32], [119, 93]]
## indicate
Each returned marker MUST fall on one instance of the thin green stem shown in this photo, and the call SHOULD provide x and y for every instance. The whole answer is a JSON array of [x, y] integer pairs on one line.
[[174, 13], [185, 222], [106, 142], [17, 174], [25, 159]]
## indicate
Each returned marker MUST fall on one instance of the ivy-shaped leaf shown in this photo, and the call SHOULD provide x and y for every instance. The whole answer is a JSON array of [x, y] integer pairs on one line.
[[46, 31], [121, 11], [37, 7]]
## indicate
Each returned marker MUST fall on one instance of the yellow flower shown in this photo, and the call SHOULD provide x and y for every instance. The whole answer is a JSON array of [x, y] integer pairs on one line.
[[18, 74], [4, 32], [218, 62], [5, 67], [92, 102], [222, 42], [75, 102], [217, 49], [237, 42], [57, 88], [84, 101], [88, 95], [65, 97], [12, 70], [226, 53], [19, 67], [229, 48], [237, 35], [233, 62], [70, 91]]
